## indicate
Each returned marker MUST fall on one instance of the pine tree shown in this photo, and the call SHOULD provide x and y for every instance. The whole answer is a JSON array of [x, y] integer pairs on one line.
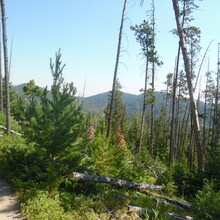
[[58, 122], [117, 110], [145, 37]]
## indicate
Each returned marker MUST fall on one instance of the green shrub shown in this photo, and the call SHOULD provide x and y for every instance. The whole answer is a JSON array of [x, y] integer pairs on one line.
[[115, 161], [212, 168], [207, 202], [21, 163], [46, 207]]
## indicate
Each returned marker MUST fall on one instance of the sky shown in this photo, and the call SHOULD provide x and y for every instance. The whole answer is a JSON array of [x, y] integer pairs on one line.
[[87, 32]]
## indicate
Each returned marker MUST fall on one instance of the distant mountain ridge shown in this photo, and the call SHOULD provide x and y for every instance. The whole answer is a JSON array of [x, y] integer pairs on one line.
[[19, 89], [97, 103]]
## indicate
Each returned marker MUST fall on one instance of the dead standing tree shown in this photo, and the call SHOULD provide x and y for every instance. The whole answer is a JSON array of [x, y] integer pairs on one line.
[[152, 82], [194, 112], [116, 70], [1, 78], [6, 66]]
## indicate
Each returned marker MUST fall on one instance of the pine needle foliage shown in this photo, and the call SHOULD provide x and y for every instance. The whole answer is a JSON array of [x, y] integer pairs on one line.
[[115, 161], [56, 123]]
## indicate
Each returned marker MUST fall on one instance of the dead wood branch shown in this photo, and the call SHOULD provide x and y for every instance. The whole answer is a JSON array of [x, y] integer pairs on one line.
[[114, 181], [139, 210], [12, 131], [177, 216], [185, 205]]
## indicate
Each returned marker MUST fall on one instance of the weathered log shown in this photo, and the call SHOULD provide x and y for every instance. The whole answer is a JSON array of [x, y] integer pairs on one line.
[[170, 204], [177, 216], [114, 181], [169, 214], [185, 205], [12, 131]]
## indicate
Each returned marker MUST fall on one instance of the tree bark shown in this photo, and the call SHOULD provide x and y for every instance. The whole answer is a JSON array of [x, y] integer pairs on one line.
[[173, 116], [1, 79], [216, 126], [194, 111], [152, 83], [114, 181], [116, 71], [144, 107], [6, 66]]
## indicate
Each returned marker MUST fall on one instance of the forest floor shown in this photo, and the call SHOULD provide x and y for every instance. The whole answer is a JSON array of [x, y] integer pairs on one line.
[[9, 206]]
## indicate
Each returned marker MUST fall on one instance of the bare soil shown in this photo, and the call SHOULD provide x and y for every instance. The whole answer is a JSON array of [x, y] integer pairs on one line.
[[9, 205]]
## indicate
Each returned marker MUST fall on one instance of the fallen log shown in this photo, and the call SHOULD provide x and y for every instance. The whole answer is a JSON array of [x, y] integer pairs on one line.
[[12, 131], [185, 205], [114, 181], [139, 210], [167, 203], [177, 216]]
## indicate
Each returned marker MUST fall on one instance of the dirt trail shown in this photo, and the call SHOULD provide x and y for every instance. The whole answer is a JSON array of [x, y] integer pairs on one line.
[[9, 206]]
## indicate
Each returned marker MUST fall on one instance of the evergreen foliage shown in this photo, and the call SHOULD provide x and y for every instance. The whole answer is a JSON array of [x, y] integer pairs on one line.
[[207, 202], [118, 113], [54, 125]]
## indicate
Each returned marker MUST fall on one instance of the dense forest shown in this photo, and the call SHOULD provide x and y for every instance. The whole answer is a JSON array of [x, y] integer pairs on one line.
[[68, 158]]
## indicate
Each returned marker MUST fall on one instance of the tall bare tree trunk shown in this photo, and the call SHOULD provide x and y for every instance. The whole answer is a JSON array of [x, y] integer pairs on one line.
[[1, 79], [216, 127], [204, 139], [166, 121], [194, 111], [152, 83], [144, 107], [5, 50], [211, 114], [116, 71], [173, 117]]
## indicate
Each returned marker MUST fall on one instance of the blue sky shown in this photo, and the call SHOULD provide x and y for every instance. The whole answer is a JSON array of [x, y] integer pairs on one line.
[[86, 31]]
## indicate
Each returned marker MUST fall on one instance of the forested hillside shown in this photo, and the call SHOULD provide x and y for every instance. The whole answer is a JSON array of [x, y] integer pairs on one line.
[[116, 155], [97, 103], [133, 103]]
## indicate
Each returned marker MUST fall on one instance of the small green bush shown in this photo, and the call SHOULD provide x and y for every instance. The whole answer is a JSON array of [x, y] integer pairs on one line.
[[21, 163], [115, 161], [207, 202], [45, 207]]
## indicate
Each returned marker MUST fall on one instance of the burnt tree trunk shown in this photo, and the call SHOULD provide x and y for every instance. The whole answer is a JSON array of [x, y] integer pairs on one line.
[[116, 71], [6, 66], [1, 79], [144, 108], [152, 83], [194, 111]]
